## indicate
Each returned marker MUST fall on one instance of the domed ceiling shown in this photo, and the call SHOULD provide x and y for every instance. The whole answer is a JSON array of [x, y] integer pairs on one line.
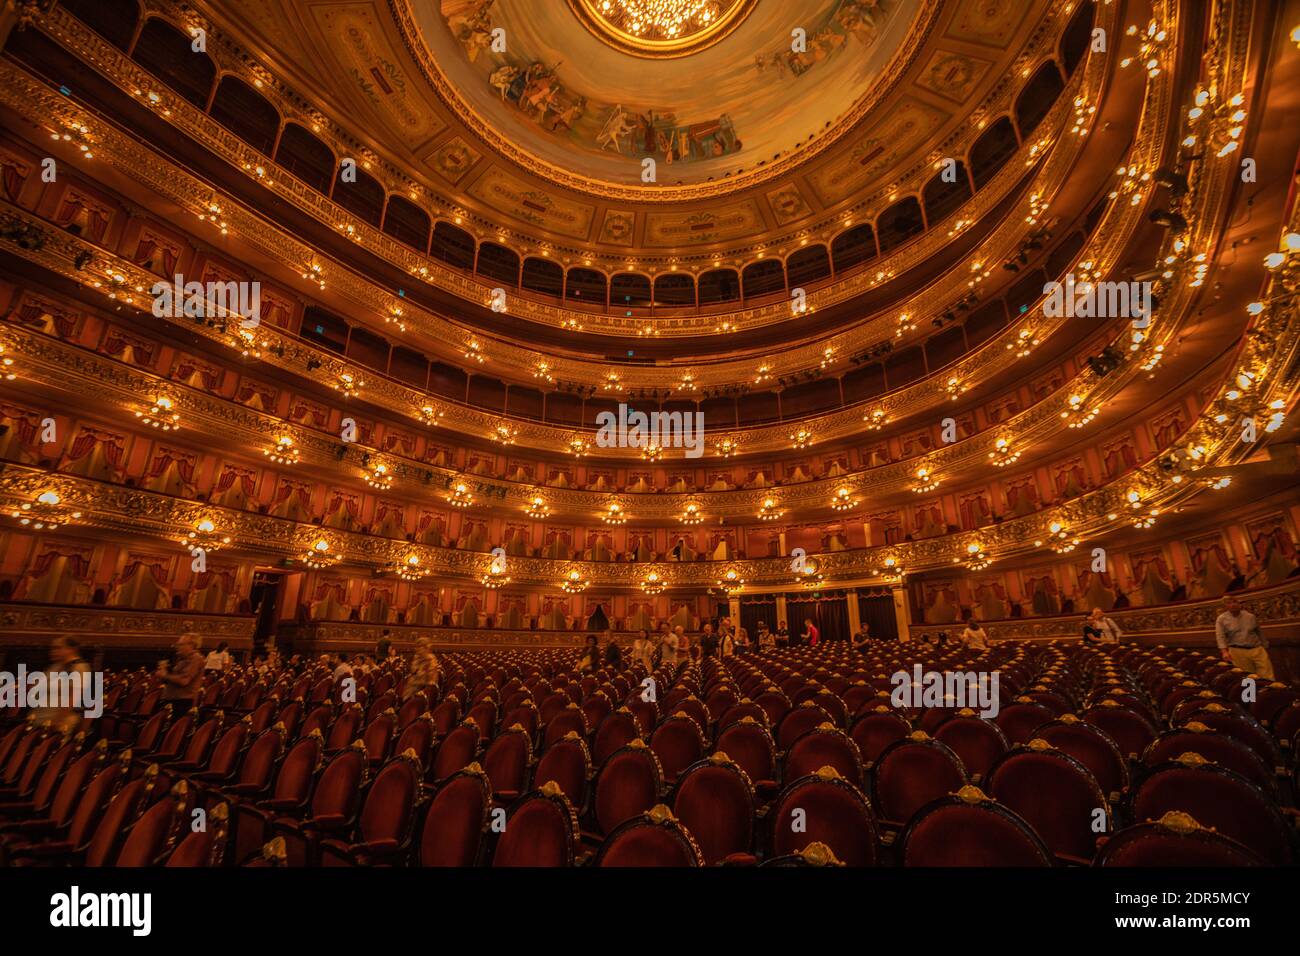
[[775, 121], [593, 103]]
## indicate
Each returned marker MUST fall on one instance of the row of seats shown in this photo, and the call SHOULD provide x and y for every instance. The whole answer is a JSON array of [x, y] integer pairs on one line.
[[1104, 755]]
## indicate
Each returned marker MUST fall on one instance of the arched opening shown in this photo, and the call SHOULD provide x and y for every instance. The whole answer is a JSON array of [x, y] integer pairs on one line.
[[991, 150], [498, 263], [246, 113], [544, 276], [452, 245], [853, 247], [719, 285], [407, 223], [167, 53], [306, 157], [1036, 99], [674, 289], [363, 198], [586, 286], [899, 223], [763, 278], [629, 290]]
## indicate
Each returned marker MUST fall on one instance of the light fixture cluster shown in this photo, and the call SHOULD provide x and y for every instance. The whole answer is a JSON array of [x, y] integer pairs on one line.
[[691, 514], [504, 433], [801, 438], [578, 446], [537, 507], [926, 481], [843, 500], [7, 366], [653, 583], [1059, 538], [494, 577], [1003, 453], [283, 452], [45, 513], [205, 535], [410, 569], [1221, 124], [431, 414], [1144, 517], [731, 582], [955, 388], [379, 477], [1024, 343], [160, 414], [574, 582], [349, 384], [614, 514], [1152, 45], [319, 555], [769, 510], [875, 420], [1079, 414], [976, 557], [726, 447], [460, 496]]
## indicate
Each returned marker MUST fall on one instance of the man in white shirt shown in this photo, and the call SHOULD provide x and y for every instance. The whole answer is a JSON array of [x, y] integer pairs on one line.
[[974, 636], [343, 669], [1237, 633], [1100, 628]]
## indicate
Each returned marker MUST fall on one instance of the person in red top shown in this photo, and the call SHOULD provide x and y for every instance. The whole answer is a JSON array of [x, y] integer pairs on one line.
[[810, 633]]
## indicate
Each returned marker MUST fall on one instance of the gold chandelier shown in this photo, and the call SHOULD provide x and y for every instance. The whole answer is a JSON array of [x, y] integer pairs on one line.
[[574, 582], [661, 29]]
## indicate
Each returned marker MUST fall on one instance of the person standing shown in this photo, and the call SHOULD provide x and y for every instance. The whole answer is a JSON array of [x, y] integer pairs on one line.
[[862, 638], [65, 658], [782, 635], [974, 636], [708, 642], [1100, 629], [182, 677], [668, 646], [811, 633], [424, 670], [217, 660], [1240, 640]]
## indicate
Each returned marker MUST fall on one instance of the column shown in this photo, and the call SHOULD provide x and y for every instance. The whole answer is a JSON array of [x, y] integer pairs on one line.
[[855, 612], [902, 611]]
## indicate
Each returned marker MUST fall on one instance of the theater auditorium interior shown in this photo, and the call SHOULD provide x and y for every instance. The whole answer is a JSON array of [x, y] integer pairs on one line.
[[630, 433]]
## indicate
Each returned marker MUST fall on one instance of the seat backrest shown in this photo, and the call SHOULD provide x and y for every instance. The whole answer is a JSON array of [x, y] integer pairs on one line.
[[630, 783], [202, 739], [1218, 799], [569, 720], [1055, 794], [93, 800], [51, 773], [824, 808], [748, 743], [18, 755], [71, 784], [456, 751], [977, 741], [567, 763], [1175, 841], [390, 801], [541, 831], [339, 787], [153, 833], [823, 746], [968, 829], [877, 729], [225, 755], [121, 812], [506, 762], [457, 820], [1217, 748], [653, 838], [911, 773], [715, 801], [293, 782], [678, 742], [418, 735], [259, 763], [615, 732], [798, 722], [1093, 748], [36, 761]]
